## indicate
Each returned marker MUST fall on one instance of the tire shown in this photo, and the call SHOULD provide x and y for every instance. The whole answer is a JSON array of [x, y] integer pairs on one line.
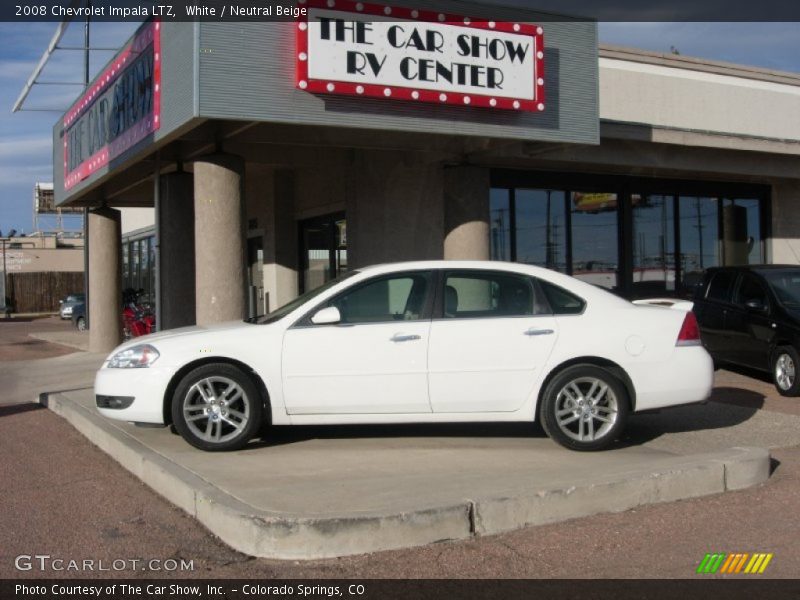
[[785, 364], [596, 405], [217, 407], [81, 324]]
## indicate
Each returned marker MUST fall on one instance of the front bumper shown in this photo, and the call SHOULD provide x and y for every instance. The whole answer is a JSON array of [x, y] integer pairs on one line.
[[146, 386]]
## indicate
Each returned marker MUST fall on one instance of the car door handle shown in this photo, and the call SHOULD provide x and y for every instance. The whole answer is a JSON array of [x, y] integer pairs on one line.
[[403, 337], [534, 331]]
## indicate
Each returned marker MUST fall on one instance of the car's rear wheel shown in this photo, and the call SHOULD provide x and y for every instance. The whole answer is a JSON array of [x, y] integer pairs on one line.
[[785, 364], [584, 407], [81, 324], [217, 407]]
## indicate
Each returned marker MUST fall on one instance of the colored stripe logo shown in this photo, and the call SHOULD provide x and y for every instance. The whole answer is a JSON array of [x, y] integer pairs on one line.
[[734, 563]]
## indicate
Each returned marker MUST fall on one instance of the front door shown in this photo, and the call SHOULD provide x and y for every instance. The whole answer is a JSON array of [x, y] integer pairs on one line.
[[490, 344], [749, 326], [373, 361]]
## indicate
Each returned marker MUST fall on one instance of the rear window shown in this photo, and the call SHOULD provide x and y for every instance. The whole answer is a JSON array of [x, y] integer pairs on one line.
[[561, 301], [720, 287]]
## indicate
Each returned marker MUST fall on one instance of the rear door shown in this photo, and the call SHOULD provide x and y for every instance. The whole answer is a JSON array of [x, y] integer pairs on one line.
[[492, 338], [711, 309]]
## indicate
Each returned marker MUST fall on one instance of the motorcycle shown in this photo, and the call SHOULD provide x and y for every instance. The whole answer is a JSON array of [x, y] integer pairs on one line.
[[137, 318]]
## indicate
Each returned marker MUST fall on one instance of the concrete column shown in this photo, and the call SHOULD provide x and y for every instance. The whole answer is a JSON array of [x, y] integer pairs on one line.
[[105, 281], [466, 213], [176, 247], [219, 239], [394, 207]]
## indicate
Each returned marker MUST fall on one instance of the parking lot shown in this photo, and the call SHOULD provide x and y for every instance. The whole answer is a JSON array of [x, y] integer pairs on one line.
[[53, 470]]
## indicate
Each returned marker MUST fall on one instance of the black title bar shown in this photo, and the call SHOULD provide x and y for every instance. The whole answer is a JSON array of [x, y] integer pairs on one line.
[[288, 10]]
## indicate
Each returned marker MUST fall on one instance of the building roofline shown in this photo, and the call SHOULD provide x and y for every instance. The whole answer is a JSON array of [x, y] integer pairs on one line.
[[678, 61]]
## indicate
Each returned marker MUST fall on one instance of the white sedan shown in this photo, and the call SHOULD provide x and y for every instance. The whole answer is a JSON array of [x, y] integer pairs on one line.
[[422, 342]]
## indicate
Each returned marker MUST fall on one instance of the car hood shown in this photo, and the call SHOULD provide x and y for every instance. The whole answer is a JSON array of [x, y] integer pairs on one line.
[[180, 332]]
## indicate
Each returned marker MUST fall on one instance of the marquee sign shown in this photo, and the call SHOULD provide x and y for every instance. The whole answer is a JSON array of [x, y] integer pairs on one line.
[[360, 49], [119, 109]]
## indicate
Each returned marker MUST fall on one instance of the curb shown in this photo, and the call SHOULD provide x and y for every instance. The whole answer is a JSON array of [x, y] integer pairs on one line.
[[280, 535]]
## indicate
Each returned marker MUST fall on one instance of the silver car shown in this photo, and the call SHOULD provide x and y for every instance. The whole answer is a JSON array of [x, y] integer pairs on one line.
[[68, 303]]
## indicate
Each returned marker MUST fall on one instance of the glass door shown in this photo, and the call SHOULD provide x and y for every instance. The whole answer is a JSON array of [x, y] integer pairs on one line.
[[323, 250]]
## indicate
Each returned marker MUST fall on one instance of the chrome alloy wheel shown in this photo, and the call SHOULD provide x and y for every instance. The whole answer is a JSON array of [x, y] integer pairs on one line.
[[216, 409], [586, 409], [785, 371]]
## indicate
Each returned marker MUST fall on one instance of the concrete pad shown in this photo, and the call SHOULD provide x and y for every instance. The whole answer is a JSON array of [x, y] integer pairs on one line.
[[325, 492]]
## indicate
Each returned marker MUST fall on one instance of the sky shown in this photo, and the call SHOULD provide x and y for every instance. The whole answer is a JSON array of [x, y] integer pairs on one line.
[[26, 137]]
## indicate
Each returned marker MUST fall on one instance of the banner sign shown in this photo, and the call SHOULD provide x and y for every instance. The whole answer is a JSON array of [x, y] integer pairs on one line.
[[360, 49], [119, 109]]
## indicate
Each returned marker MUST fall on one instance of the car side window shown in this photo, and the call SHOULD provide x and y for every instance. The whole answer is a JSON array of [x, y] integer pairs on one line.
[[720, 288], [751, 290], [397, 297], [484, 294], [561, 301]]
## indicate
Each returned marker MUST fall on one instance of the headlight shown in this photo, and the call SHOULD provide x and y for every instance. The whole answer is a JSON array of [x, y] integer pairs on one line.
[[137, 357]]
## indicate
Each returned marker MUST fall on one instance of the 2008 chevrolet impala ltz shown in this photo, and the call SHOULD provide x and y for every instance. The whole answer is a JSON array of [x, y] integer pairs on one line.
[[436, 341]]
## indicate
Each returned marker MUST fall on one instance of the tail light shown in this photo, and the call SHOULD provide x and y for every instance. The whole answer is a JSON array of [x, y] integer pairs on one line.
[[689, 335]]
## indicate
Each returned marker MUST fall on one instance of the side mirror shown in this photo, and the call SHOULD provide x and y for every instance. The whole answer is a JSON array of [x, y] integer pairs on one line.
[[327, 316], [755, 306]]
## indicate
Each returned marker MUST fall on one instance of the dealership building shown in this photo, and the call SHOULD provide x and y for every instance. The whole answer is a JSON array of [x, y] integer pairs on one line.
[[277, 155]]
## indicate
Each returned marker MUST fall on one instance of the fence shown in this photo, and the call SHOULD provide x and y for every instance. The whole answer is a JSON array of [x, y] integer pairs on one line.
[[40, 292]]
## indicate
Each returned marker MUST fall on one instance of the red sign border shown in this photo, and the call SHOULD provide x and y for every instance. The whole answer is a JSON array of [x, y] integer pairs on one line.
[[101, 83], [320, 86]]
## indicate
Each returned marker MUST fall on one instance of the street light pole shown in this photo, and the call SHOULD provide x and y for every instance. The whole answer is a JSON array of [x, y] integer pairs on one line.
[[5, 280]]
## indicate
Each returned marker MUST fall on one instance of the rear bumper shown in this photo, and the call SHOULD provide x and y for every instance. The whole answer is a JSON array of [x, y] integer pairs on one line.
[[686, 378]]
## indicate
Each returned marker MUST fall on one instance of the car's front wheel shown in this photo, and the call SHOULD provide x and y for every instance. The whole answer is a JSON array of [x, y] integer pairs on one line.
[[81, 324], [584, 407], [785, 363], [217, 407]]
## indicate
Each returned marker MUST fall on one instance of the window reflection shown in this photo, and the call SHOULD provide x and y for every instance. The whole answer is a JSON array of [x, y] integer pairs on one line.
[[594, 238], [653, 245], [540, 227], [500, 224], [672, 238], [699, 239]]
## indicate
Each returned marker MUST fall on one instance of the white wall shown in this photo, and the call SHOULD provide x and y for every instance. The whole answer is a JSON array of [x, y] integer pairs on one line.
[[137, 218], [665, 96]]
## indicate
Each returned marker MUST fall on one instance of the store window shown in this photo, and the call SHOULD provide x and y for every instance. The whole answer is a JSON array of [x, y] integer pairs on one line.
[[541, 230], [653, 245], [699, 231], [139, 267], [323, 250], [635, 236], [595, 253]]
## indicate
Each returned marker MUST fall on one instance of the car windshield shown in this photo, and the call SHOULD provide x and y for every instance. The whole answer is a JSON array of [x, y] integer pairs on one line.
[[74, 297], [786, 285], [284, 310]]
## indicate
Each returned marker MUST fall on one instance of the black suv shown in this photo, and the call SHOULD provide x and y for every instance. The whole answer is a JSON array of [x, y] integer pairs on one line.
[[750, 316]]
